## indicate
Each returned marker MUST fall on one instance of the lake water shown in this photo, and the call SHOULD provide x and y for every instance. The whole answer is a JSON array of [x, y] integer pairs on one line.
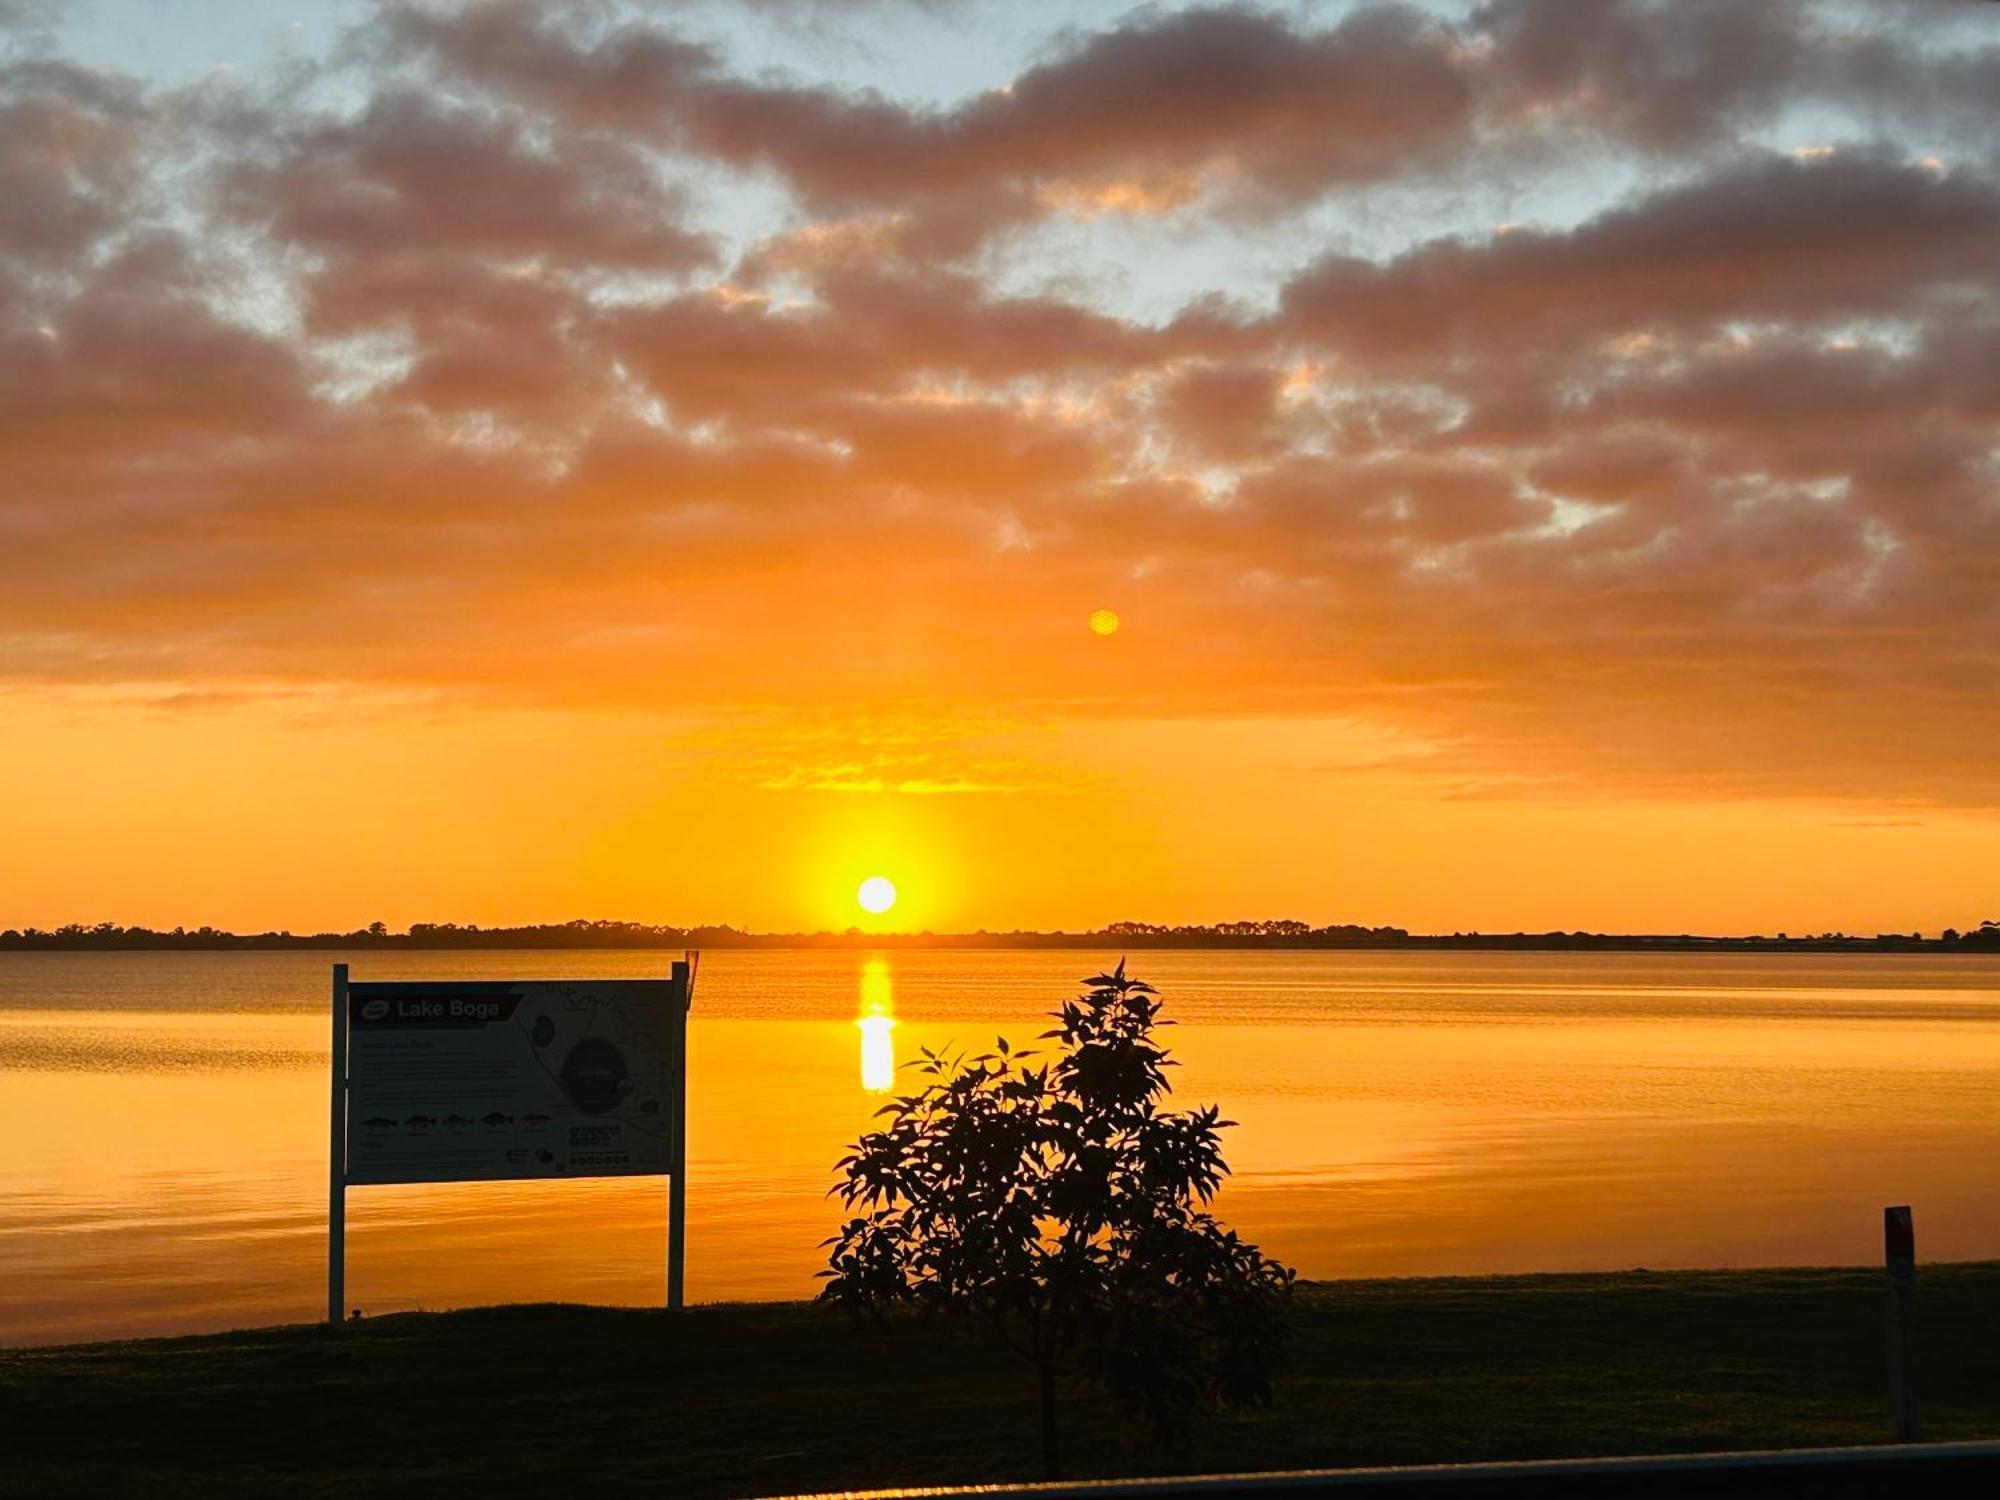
[[164, 1120]]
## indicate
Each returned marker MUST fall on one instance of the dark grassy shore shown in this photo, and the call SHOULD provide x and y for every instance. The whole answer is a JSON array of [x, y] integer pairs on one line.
[[745, 1400]]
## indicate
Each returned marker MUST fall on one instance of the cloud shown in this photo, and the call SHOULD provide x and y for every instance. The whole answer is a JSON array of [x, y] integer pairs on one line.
[[1675, 76], [411, 175], [1227, 111], [1661, 76], [1224, 105], [1776, 238], [69, 141]]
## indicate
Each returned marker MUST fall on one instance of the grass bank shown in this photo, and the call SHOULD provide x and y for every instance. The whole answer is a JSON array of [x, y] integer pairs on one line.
[[764, 1399]]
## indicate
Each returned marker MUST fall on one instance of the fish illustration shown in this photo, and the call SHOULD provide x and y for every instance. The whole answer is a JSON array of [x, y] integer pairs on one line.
[[534, 1119], [378, 1122], [458, 1122], [420, 1122], [496, 1118]]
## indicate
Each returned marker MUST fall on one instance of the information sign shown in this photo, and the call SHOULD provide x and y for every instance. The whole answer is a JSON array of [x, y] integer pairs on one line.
[[499, 1080]]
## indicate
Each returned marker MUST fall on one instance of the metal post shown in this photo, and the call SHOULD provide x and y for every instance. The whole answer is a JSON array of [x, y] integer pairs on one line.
[[677, 1184], [336, 1158], [1899, 1253]]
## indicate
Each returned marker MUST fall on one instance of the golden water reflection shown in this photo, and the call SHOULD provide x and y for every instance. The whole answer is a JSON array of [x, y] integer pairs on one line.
[[877, 1024], [165, 1120]]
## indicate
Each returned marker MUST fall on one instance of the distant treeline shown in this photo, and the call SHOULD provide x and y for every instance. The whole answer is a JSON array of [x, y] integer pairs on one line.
[[1120, 935]]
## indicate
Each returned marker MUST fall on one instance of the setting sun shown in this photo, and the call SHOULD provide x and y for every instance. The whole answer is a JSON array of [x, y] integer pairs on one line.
[[877, 895]]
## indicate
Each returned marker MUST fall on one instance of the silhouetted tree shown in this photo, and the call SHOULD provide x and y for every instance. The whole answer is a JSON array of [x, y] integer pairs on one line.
[[1062, 1205]]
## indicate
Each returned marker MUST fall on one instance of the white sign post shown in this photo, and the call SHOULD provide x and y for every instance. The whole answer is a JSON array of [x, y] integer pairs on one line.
[[482, 1081]]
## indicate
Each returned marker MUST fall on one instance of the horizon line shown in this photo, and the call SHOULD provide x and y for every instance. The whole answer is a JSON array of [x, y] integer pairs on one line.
[[1269, 933]]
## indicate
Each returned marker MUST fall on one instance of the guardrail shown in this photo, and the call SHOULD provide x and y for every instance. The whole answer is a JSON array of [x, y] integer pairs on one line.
[[1927, 1469]]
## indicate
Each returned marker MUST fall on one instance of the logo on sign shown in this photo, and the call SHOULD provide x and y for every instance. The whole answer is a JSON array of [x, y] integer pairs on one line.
[[375, 1010]]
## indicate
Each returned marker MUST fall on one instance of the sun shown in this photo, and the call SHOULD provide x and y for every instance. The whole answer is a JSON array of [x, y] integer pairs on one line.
[[1104, 622], [877, 895]]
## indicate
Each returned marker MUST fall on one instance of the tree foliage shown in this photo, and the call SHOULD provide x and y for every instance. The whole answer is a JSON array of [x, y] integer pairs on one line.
[[1052, 1196]]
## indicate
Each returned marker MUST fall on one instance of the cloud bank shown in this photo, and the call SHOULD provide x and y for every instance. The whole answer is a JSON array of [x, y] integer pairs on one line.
[[554, 353]]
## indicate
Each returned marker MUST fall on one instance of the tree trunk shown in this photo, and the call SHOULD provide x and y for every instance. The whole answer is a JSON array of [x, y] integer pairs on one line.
[[1051, 1453]]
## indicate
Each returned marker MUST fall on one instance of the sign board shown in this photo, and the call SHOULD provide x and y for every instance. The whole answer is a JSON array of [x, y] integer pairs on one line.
[[469, 1082], [481, 1081]]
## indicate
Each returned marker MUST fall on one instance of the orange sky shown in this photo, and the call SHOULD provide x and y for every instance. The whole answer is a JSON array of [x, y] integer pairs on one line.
[[511, 462], [259, 816]]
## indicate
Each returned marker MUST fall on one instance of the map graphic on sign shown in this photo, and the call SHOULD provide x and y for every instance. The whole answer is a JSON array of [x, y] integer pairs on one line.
[[460, 1082]]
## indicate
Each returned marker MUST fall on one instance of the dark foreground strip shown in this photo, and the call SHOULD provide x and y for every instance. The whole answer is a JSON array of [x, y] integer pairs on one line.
[[1909, 1470]]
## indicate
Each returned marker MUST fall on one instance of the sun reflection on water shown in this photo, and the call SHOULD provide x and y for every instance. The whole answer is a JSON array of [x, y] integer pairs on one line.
[[877, 1022]]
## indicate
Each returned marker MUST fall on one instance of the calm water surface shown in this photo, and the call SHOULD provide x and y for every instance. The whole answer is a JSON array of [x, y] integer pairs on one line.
[[1411, 1114]]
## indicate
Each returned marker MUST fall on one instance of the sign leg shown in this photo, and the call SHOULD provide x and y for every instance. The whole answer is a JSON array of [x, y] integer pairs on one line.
[[677, 1184], [676, 1239], [336, 1158]]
